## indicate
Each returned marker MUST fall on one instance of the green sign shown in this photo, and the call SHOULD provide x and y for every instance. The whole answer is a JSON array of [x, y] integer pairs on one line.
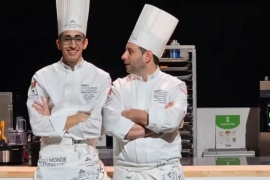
[[228, 161], [227, 121]]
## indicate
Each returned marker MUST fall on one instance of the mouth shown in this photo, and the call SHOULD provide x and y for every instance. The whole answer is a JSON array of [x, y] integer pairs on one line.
[[72, 52]]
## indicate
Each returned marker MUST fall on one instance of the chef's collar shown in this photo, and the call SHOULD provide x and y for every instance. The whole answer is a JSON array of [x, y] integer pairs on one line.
[[65, 66], [151, 76]]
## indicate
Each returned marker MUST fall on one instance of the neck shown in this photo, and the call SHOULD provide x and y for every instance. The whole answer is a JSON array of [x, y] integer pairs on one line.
[[71, 63], [149, 72]]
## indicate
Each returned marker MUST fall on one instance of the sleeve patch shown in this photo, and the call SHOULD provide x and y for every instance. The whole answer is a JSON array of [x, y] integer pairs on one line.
[[183, 89]]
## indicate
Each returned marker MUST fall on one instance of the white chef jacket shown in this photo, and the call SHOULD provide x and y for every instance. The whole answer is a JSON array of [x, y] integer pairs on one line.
[[67, 92], [154, 95]]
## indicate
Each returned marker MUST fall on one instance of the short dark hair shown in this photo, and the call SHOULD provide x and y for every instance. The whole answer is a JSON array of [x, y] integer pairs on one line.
[[156, 59]]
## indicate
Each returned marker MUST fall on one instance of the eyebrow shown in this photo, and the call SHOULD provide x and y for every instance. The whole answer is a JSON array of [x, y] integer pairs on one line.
[[68, 35], [130, 49], [73, 36]]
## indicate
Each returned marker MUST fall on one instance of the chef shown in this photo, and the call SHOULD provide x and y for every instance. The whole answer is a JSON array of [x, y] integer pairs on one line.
[[65, 101], [145, 108]]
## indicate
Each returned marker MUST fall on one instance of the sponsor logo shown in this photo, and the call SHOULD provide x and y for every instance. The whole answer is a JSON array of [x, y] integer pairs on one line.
[[50, 162], [72, 24], [88, 92], [160, 96]]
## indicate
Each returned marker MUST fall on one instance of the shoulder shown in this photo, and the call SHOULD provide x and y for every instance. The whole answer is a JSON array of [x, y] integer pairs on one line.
[[96, 70], [169, 79], [46, 69], [125, 80]]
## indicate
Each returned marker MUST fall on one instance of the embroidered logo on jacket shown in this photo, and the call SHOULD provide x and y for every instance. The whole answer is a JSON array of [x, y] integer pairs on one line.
[[160, 96], [183, 89], [88, 92], [33, 94]]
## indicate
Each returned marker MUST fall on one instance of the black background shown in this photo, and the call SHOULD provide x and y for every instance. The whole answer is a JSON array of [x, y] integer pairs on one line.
[[231, 40]]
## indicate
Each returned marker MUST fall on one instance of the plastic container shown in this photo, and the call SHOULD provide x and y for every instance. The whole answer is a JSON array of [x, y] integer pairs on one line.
[[174, 53]]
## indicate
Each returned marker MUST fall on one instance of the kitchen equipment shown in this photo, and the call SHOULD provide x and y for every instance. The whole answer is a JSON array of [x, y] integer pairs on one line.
[[6, 111], [18, 117], [20, 123], [35, 148], [264, 118], [11, 154], [17, 137], [2, 129], [2, 143], [228, 152]]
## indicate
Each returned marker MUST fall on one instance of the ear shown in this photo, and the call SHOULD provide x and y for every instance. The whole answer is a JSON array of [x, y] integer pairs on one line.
[[148, 56], [85, 43], [58, 44]]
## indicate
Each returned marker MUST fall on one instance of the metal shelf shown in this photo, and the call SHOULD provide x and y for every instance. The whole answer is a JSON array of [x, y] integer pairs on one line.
[[175, 69], [184, 68], [174, 59]]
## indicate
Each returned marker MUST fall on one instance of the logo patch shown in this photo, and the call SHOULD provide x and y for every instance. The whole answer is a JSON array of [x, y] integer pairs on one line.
[[183, 89], [88, 92], [160, 96], [33, 94]]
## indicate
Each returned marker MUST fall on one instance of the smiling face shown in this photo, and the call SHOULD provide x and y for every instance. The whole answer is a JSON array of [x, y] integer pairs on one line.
[[72, 43]]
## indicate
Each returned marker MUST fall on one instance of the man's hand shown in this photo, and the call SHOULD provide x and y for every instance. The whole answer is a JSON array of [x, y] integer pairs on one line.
[[73, 120], [42, 107], [138, 116], [149, 133], [81, 116]]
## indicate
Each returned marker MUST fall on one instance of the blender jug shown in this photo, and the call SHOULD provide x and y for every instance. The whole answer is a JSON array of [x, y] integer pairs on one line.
[[20, 124], [19, 135]]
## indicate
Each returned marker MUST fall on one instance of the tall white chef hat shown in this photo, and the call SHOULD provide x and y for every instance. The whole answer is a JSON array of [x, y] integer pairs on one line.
[[153, 29], [72, 15]]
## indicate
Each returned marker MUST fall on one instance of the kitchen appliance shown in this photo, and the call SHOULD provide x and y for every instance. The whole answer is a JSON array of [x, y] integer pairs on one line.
[[2, 131], [264, 135], [19, 135], [11, 154], [235, 152], [6, 111], [35, 148]]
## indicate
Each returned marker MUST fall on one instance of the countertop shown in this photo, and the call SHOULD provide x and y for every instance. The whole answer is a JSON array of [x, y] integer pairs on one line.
[[189, 171], [193, 167]]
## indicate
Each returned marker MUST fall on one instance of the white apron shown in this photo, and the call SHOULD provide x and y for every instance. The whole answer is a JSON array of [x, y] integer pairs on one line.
[[169, 170], [68, 161]]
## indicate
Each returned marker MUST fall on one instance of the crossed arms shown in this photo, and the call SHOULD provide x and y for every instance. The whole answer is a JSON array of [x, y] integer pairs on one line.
[[140, 118], [43, 109]]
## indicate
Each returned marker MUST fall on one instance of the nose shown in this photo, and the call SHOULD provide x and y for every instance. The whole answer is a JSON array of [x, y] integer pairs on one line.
[[124, 56], [72, 43]]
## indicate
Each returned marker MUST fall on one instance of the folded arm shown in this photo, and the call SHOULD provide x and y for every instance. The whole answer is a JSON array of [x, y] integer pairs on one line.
[[168, 118], [138, 131], [45, 123], [140, 117], [42, 107], [118, 122]]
